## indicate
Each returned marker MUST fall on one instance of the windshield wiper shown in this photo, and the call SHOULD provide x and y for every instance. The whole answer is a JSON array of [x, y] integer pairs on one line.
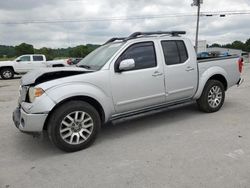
[[84, 66]]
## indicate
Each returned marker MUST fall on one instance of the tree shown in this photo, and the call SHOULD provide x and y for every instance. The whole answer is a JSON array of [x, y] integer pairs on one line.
[[48, 52], [24, 49], [79, 51], [247, 45], [8, 51], [215, 45], [238, 45]]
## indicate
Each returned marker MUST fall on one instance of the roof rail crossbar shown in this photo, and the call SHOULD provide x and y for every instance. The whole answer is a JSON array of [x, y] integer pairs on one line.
[[173, 33], [114, 39], [136, 34]]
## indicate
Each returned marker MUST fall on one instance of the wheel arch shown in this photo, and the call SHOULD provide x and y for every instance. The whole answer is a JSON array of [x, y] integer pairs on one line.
[[214, 73], [4, 67], [220, 78], [86, 99]]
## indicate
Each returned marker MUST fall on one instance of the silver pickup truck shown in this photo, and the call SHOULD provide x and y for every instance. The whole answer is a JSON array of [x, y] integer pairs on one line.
[[123, 77]]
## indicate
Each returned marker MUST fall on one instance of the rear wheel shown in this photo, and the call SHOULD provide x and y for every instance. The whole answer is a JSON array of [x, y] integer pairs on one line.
[[212, 97], [7, 73], [74, 126]]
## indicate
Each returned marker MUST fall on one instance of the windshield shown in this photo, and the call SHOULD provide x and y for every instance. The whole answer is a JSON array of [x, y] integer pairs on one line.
[[99, 57]]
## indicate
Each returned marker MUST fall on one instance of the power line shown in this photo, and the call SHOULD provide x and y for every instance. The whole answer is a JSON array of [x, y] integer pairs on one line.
[[159, 16]]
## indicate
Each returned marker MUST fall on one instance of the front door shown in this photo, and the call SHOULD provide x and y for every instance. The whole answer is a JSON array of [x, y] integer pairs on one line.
[[180, 69], [142, 86], [23, 64]]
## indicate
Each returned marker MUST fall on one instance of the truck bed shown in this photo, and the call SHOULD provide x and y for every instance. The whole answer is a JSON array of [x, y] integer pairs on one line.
[[228, 67]]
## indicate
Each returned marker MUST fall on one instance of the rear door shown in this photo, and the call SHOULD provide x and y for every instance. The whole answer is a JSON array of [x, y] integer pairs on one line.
[[142, 86], [181, 75], [38, 62]]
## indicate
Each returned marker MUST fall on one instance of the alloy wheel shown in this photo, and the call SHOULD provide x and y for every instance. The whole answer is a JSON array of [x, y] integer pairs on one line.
[[76, 127]]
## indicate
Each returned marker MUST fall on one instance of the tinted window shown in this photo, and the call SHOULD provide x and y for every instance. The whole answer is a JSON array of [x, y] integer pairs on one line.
[[25, 58], [37, 58], [175, 52], [143, 54], [182, 50]]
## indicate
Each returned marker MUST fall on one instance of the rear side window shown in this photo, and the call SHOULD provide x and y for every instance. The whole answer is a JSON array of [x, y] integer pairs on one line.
[[143, 55], [37, 58], [175, 52]]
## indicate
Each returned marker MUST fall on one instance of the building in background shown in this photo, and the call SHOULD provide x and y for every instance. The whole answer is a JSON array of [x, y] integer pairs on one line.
[[202, 46], [219, 51], [225, 50]]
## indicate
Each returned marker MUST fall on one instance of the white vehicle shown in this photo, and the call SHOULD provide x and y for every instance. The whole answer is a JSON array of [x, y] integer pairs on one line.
[[26, 63], [124, 77]]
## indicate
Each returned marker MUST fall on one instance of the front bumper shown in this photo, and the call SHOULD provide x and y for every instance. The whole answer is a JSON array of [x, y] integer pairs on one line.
[[30, 123]]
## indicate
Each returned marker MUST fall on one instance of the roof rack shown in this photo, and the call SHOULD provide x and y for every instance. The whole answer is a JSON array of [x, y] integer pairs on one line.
[[173, 33], [137, 34], [114, 39]]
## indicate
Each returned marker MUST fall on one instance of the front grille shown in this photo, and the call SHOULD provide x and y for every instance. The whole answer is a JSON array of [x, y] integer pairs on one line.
[[23, 93]]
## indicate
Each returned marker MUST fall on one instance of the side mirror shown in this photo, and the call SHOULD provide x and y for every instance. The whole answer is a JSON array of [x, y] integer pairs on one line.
[[18, 60], [127, 64]]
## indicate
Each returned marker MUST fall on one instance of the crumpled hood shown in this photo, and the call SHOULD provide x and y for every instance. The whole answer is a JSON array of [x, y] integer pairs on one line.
[[46, 74]]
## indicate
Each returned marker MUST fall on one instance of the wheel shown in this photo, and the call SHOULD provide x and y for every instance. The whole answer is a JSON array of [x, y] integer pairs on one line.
[[212, 97], [73, 126], [7, 73]]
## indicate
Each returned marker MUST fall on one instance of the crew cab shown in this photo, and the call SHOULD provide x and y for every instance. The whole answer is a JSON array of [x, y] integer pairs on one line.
[[26, 63], [124, 77]]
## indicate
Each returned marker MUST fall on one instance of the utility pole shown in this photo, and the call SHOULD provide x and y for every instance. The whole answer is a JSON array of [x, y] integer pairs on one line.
[[198, 4]]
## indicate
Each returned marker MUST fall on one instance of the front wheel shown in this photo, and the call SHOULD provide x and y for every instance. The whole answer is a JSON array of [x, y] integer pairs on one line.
[[74, 126], [7, 73], [212, 97]]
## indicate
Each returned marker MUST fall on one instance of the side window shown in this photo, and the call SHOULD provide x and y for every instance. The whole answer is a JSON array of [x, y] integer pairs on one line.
[[25, 58], [175, 52], [143, 54], [182, 51], [37, 58]]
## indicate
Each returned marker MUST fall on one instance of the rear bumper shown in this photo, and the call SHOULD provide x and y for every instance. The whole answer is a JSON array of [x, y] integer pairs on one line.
[[241, 80], [29, 123]]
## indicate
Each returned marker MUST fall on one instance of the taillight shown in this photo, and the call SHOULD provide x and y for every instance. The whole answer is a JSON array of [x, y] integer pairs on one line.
[[69, 61], [240, 64]]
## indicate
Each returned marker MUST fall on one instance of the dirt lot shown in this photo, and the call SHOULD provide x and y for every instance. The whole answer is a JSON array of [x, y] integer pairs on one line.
[[181, 147]]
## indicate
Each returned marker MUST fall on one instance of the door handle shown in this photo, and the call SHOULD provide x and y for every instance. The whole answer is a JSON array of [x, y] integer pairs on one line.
[[189, 69], [157, 73]]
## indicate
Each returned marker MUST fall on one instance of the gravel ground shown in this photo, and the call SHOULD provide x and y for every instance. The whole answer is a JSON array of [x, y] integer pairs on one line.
[[175, 148]]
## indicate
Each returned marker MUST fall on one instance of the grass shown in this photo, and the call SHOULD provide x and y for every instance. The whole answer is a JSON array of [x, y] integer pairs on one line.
[[6, 59]]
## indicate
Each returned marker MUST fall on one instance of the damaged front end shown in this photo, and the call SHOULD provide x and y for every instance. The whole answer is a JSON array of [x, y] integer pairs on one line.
[[30, 114], [43, 75]]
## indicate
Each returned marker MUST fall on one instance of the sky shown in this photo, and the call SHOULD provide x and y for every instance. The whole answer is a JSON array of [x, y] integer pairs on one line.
[[90, 30]]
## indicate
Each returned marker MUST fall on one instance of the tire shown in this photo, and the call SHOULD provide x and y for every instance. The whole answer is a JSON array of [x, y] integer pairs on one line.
[[71, 132], [212, 97], [7, 73]]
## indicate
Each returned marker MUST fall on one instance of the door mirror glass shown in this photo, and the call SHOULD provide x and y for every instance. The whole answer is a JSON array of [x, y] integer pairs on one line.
[[127, 64]]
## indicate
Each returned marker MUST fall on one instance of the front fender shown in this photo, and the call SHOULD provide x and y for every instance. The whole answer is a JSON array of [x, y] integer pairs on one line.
[[69, 90], [206, 75]]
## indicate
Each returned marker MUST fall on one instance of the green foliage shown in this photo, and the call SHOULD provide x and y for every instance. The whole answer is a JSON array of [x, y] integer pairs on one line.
[[78, 51], [215, 45], [48, 52], [24, 49], [7, 51], [235, 45], [247, 45]]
